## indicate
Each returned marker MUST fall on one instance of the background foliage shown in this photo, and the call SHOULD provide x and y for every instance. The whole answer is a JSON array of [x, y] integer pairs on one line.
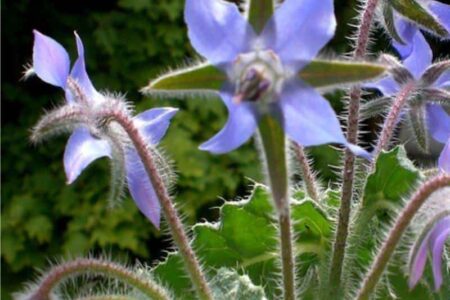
[[128, 42]]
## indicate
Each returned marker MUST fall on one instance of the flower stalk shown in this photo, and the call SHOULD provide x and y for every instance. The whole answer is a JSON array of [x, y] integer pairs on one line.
[[307, 173], [273, 142], [392, 118], [394, 236], [96, 266], [176, 227], [349, 161]]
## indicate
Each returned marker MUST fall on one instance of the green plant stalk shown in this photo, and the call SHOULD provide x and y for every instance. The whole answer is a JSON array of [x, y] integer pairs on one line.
[[394, 236], [95, 266], [274, 149], [176, 227], [307, 173], [349, 161]]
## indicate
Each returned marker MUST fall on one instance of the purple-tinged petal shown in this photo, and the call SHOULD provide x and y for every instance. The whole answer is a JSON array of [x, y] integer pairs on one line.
[[141, 188], [241, 124], [82, 149], [406, 31], [299, 29], [418, 263], [444, 158], [308, 117], [421, 56], [438, 123], [50, 60], [217, 30], [443, 81], [79, 72], [387, 86], [442, 12], [439, 235], [153, 123]]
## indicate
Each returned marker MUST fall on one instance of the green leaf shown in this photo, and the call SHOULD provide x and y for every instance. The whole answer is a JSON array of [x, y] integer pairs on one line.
[[412, 10], [201, 77], [259, 12], [393, 178], [323, 73], [228, 284], [245, 238], [388, 14]]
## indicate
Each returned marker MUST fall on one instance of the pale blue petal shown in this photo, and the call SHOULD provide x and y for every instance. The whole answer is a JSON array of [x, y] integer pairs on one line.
[[241, 124], [387, 86], [82, 149], [309, 118], [442, 12], [421, 56], [153, 123], [438, 237], [50, 60], [406, 31], [79, 72], [299, 29], [217, 30], [444, 158], [438, 122], [141, 188], [417, 265]]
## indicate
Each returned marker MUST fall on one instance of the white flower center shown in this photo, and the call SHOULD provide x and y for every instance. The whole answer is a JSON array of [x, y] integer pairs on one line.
[[258, 77]]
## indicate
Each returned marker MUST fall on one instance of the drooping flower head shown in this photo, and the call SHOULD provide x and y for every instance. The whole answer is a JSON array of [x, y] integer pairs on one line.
[[94, 137], [404, 19], [432, 243], [262, 69], [431, 83]]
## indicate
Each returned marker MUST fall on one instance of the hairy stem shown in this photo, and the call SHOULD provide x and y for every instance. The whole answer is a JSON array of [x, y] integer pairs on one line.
[[349, 160], [96, 266], [176, 227], [273, 143], [402, 222], [392, 119], [308, 174]]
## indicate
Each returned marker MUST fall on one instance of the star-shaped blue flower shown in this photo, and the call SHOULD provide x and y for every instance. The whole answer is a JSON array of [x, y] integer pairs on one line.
[[90, 141], [262, 69], [431, 82]]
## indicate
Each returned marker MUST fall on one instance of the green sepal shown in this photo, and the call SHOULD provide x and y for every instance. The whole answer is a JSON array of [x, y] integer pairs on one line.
[[259, 12], [413, 11], [319, 74], [393, 178], [245, 239], [201, 77], [388, 15], [325, 73]]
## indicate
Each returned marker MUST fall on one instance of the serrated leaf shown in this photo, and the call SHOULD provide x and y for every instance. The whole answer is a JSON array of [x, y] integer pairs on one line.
[[324, 73], [228, 284], [392, 179], [319, 73], [413, 11], [246, 239]]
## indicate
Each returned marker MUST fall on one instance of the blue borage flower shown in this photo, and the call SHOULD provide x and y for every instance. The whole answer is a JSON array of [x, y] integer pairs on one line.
[[406, 29], [433, 243], [91, 140], [431, 82], [262, 67]]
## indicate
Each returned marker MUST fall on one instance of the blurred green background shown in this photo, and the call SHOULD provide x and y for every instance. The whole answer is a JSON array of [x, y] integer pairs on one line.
[[127, 42]]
